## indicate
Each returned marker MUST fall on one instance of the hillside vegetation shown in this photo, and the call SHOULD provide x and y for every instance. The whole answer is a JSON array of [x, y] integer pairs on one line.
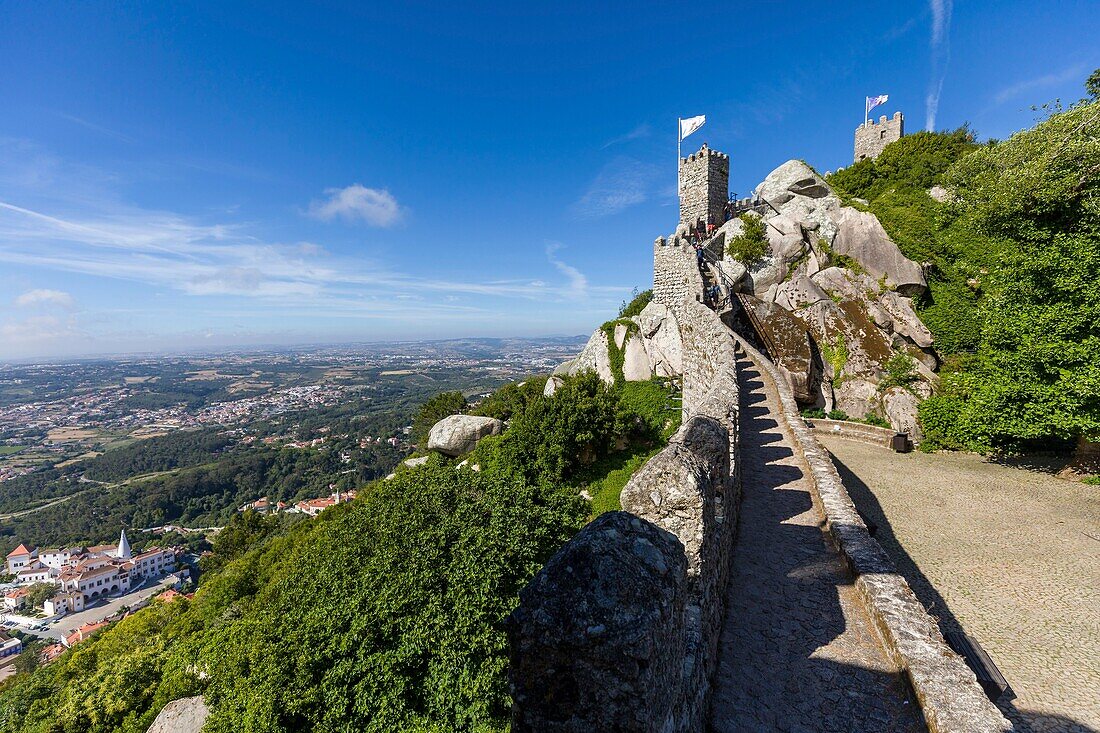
[[383, 614], [1014, 282]]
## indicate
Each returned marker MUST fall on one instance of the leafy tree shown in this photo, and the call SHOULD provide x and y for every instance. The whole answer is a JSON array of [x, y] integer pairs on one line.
[[39, 593], [435, 409], [749, 247], [637, 303], [915, 161], [1036, 375], [901, 371], [1092, 84], [510, 399], [552, 437]]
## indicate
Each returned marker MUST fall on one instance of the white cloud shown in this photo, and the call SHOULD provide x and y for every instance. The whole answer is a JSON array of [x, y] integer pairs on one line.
[[641, 131], [941, 54], [622, 183], [44, 297], [38, 329], [1040, 82], [356, 202], [578, 283]]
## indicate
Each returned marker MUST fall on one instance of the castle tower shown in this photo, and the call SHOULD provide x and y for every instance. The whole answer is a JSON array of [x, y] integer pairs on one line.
[[123, 552], [704, 186], [872, 137]]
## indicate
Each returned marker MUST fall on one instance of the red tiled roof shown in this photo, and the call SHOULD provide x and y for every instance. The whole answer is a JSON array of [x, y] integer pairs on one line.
[[21, 550], [84, 632]]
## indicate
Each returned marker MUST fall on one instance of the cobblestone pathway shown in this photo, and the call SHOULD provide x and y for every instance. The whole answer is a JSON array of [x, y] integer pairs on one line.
[[798, 653], [1011, 556]]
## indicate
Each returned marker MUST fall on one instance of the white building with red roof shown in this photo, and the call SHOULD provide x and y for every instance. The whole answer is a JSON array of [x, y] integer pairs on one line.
[[20, 558]]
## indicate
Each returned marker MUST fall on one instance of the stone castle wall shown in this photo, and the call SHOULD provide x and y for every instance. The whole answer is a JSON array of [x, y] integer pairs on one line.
[[704, 186], [619, 631], [874, 136]]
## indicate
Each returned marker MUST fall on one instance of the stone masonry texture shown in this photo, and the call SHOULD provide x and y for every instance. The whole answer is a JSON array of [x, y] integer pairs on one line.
[[946, 689], [627, 627], [1010, 556], [567, 681], [874, 136], [798, 651], [704, 186]]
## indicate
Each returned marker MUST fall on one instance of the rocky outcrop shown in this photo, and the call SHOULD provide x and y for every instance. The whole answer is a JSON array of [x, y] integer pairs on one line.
[[861, 237], [553, 384], [846, 284], [900, 406], [594, 357], [615, 592], [186, 715], [653, 348], [458, 434], [788, 342]]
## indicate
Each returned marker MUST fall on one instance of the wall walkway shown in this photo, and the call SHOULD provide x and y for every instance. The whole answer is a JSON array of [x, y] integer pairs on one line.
[[798, 651]]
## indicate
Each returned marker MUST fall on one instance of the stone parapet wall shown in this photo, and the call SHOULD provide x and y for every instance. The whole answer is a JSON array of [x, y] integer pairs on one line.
[[870, 434], [945, 687], [676, 278], [619, 631]]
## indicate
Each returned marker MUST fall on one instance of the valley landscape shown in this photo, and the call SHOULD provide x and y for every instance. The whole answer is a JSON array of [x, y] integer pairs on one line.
[[290, 439]]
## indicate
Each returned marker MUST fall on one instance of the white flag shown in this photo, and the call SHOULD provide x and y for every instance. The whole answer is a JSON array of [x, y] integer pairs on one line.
[[690, 125], [873, 102]]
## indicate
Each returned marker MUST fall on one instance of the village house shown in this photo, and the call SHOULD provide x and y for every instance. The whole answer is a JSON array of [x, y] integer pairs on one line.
[[85, 574], [83, 633], [15, 599], [9, 646]]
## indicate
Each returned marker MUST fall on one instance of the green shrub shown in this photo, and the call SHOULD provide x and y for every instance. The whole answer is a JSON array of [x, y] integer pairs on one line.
[[838, 415], [836, 353], [435, 409], [916, 161], [637, 303], [872, 419], [647, 411], [751, 246], [511, 398], [1091, 480], [901, 371]]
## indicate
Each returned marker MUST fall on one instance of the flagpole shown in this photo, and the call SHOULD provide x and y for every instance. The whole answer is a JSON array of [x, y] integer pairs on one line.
[[678, 128], [866, 110]]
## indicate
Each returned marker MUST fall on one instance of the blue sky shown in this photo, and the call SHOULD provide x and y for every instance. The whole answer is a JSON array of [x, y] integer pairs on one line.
[[233, 174]]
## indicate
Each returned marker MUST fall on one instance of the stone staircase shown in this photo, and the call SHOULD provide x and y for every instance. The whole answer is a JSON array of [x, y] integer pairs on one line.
[[798, 651]]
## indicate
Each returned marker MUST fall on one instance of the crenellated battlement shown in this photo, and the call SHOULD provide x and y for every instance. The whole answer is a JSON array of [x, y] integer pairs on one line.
[[704, 186], [873, 137]]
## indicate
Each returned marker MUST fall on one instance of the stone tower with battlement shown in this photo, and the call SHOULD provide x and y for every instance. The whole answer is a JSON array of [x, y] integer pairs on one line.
[[704, 186], [872, 137]]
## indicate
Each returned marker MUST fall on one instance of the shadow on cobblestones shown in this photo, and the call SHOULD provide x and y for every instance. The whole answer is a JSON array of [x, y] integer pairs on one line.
[[870, 509], [797, 651]]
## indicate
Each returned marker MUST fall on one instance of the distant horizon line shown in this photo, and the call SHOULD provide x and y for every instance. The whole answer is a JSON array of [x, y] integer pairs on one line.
[[263, 348]]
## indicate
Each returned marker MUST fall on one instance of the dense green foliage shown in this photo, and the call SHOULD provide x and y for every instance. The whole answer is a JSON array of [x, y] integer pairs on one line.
[[915, 162], [637, 303], [164, 453], [207, 494], [435, 409], [384, 614], [1036, 376], [552, 437], [510, 399], [751, 245], [1014, 285]]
